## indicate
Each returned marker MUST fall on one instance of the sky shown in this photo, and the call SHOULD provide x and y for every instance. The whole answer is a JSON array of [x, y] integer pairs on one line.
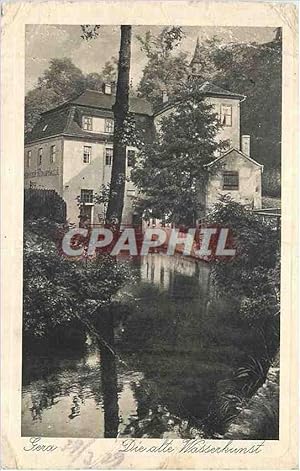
[[44, 42]]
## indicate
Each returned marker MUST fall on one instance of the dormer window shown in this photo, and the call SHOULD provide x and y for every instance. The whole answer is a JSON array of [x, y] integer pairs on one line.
[[109, 125], [226, 115], [87, 123], [107, 88]]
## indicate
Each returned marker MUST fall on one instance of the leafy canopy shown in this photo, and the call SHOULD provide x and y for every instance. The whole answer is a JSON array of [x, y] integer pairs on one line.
[[171, 171], [250, 69], [166, 69], [57, 290], [253, 275], [60, 82]]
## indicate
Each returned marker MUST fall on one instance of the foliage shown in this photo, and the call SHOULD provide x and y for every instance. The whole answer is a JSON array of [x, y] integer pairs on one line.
[[170, 171], [165, 70], [63, 77], [37, 101], [89, 31], [58, 290], [271, 183], [250, 69], [60, 82], [253, 275], [255, 71], [259, 417], [40, 203]]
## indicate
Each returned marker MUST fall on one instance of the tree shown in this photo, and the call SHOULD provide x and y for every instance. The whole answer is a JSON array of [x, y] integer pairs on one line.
[[122, 120], [37, 101], [171, 172], [253, 275], [165, 71], [58, 291], [110, 70], [250, 69], [63, 77], [255, 71], [60, 82], [120, 109], [94, 81]]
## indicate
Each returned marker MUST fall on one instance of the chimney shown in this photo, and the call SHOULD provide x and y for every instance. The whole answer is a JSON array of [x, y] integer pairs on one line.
[[246, 144], [165, 97], [107, 88]]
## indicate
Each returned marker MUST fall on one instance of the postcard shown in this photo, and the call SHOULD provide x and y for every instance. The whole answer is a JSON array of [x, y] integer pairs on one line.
[[149, 164]]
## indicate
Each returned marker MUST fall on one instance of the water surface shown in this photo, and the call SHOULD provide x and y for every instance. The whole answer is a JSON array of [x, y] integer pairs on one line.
[[177, 347]]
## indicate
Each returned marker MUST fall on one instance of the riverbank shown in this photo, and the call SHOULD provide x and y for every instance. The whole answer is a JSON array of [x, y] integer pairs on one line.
[[260, 417]]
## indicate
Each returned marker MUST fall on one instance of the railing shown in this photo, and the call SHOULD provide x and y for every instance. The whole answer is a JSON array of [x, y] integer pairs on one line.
[[271, 216]]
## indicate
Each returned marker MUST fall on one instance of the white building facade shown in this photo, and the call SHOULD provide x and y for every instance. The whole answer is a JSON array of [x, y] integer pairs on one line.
[[70, 150]]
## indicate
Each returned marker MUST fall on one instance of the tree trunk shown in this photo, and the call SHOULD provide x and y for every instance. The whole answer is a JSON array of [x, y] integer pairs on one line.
[[120, 109]]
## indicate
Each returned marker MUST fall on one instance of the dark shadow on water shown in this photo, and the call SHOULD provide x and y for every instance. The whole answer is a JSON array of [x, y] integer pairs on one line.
[[180, 347]]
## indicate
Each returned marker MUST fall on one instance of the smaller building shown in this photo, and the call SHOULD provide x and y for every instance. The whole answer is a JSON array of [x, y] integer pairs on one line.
[[234, 173]]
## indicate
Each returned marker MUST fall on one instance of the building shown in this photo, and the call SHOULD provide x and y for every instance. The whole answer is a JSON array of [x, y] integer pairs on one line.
[[233, 173], [70, 150]]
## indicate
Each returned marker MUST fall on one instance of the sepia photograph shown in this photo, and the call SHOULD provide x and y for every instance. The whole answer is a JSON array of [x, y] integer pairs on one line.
[[152, 232]]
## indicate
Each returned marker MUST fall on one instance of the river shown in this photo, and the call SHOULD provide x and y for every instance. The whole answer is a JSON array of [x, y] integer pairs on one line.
[[176, 350]]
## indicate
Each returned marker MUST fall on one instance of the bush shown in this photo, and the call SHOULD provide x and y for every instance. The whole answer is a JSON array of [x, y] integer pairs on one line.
[[57, 290], [253, 275], [271, 183]]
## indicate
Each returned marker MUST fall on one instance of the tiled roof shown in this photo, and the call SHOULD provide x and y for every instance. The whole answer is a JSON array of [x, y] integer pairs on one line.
[[65, 119], [95, 99], [100, 100], [49, 124]]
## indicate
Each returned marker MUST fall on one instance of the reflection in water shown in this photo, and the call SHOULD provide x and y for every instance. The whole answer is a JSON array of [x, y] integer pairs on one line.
[[109, 375], [178, 352]]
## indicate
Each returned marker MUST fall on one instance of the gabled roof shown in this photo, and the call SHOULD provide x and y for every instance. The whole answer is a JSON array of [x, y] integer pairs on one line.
[[210, 89], [229, 151]]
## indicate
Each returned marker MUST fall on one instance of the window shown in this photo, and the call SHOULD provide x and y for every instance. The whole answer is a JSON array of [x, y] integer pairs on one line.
[[86, 196], [226, 115], [40, 156], [88, 123], [107, 88], [29, 158], [108, 156], [230, 180], [87, 152], [131, 192], [109, 125], [130, 158], [52, 154]]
